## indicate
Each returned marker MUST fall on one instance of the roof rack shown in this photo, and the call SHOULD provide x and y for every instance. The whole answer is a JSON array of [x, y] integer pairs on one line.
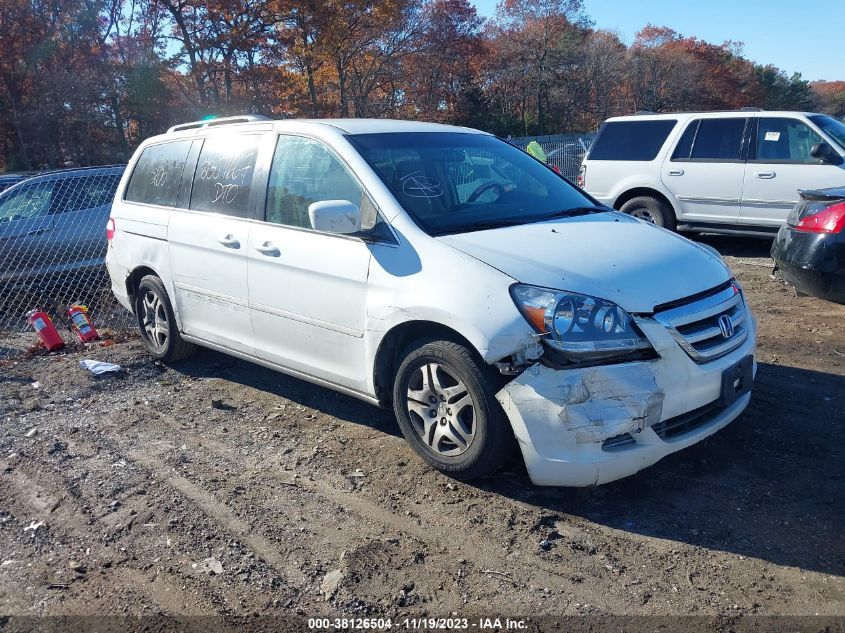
[[751, 109], [226, 120], [644, 112]]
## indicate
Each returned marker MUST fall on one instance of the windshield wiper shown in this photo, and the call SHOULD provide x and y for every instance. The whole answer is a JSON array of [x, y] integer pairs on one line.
[[571, 213], [483, 225]]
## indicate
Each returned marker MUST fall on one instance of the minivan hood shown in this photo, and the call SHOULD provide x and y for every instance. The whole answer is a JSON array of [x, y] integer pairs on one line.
[[608, 255]]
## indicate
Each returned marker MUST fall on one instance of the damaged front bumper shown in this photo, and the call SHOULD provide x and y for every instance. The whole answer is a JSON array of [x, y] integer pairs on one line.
[[588, 426]]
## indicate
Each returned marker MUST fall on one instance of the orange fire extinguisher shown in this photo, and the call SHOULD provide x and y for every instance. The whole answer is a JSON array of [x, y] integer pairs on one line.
[[82, 323], [47, 332]]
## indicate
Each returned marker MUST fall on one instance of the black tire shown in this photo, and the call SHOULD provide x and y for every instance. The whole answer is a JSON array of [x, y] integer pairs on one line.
[[164, 343], [651, 210], [492, 443]]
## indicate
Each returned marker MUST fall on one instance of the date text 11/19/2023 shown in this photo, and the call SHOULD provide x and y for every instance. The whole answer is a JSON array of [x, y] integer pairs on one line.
[[418, 624]]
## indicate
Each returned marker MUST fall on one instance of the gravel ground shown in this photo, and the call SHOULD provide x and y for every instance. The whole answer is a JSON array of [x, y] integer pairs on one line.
[[214, 486]]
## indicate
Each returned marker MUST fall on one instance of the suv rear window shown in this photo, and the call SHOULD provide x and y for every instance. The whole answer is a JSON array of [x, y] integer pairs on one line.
[[631, 140], [156, 177]]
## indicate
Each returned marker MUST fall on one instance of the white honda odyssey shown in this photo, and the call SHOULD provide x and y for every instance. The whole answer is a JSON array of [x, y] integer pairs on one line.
[[440, 271]]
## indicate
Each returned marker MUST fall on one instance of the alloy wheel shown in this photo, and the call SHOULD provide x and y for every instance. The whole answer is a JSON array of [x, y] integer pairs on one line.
[[154, 321], [441, 409]]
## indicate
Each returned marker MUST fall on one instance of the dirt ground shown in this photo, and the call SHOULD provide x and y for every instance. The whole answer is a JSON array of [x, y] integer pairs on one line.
[[217, 487]]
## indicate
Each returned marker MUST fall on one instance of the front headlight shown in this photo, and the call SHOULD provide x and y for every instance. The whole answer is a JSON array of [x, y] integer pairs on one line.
[[581, 327]]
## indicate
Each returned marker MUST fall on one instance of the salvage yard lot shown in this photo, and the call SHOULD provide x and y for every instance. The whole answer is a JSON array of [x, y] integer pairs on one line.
[[216, 486]]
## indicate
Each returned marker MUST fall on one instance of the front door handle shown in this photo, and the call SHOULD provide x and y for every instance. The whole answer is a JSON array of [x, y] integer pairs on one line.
[[675, 172], [37, 231], [269, 249], [229, 241], [765, 175]]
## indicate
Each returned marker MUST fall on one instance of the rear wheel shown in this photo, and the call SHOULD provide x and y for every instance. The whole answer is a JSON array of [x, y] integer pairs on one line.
[[444, 401], [157, 322], [650, 210]]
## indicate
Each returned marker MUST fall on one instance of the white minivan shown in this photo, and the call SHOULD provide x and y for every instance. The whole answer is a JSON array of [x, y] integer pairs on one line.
[[716, 172], [439, 271]]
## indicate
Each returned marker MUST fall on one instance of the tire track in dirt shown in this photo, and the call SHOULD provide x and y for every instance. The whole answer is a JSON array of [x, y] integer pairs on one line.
[[56, 501], [427, 528], [63, 516], [432, 528]]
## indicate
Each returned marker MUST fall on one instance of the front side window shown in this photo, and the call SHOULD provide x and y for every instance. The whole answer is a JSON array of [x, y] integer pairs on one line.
[[27, 201], [157, 174], [304, 171], [718, 139], [451, 182], [831, 127], [631, 140], [223, 178], [785, 140]]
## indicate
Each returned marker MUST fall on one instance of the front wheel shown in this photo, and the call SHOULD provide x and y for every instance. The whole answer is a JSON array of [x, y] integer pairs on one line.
[[157, 322], [443, 398]]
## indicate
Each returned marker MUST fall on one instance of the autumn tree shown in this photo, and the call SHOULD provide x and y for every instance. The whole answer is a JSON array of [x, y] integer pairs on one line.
[[830, 96], [84, 81], [445, 65], [533, 45]]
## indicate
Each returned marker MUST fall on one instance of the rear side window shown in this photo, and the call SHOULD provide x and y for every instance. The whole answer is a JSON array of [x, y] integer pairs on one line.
[[684, 147], [718, 139], [631, 140], [156, 177], [223, 179], [88, 192]]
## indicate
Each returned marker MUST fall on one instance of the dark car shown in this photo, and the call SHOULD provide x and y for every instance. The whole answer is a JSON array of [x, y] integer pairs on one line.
[[809, 250], [53, 226]]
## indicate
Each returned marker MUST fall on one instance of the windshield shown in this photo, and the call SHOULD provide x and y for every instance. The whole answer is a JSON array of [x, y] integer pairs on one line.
[[451, 182], [831, 127]]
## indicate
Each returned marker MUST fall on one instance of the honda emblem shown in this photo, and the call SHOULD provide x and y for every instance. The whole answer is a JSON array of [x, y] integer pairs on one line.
[[726, 326]]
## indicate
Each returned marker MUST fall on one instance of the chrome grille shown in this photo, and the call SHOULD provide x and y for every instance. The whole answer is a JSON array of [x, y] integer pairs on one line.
[[710, 327]]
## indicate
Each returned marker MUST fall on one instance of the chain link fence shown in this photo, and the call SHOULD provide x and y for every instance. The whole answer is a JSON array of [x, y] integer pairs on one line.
[[52, 251], [564, 151]]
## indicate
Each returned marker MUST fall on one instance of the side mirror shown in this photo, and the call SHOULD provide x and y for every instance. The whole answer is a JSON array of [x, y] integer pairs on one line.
[[335, 216], [825, 153]]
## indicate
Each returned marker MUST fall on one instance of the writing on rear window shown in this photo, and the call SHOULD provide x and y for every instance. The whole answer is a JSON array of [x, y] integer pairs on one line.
[[224, 175], [157, 174]]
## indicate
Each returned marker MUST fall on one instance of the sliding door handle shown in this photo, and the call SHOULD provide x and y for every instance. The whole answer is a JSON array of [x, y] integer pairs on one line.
[[229, 241], [269, 249]]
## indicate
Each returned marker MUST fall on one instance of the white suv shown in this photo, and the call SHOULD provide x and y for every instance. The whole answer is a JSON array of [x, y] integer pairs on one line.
[[440, 271], [724, 172]]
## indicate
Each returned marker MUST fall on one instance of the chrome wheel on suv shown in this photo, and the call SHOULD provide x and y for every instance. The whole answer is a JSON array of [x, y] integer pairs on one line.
[[643, 214], [441, 410], [650, 210]]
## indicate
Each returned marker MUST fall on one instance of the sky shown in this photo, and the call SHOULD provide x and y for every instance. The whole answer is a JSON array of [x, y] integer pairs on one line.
[[805, 37]]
